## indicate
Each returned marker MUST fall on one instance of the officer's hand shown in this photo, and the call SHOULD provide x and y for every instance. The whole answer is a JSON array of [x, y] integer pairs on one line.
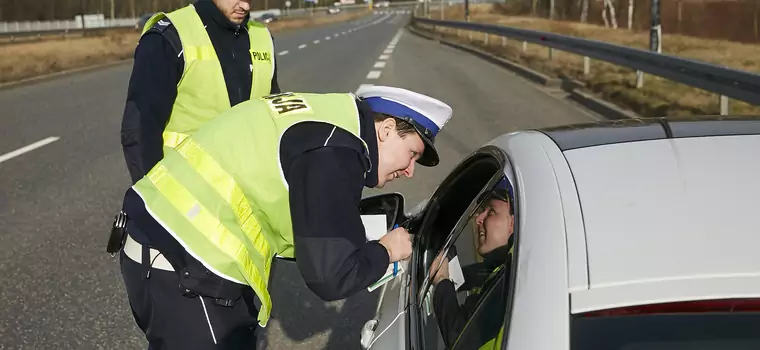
[[442, 273], [398, 243]]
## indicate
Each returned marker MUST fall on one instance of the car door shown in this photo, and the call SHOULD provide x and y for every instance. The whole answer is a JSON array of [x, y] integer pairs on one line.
[[399, 321]]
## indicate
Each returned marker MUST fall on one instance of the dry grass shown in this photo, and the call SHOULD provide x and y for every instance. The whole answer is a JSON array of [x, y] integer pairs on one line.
[[26, 60], [659, 97], [33, 59]]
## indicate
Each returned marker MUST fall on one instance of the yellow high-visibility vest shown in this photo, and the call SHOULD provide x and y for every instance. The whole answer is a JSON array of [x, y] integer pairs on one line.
[[202, 91], [222, 194]]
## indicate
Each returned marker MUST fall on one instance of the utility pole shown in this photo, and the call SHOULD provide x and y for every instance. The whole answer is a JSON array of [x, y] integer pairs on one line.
[[655, 38], [466, 10], [83, 11], [655, 33]]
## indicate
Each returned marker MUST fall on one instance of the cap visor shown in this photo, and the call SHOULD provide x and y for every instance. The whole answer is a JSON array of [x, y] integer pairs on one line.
[[430, 155]]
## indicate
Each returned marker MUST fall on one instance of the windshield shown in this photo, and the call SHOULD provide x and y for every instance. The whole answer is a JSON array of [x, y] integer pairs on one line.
[[692, 331]]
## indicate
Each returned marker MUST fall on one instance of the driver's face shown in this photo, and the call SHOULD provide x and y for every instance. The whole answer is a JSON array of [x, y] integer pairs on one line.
[[495, 225]]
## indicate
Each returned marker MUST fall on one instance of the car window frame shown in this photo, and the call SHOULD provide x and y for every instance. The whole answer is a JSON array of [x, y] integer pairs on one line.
[[414, 303], [512, 278]]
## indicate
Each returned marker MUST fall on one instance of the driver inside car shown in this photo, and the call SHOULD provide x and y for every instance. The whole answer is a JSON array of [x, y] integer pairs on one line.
[[495, 225]]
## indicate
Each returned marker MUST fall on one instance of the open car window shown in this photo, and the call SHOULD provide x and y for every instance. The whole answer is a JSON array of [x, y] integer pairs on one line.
[[450, 208], [451, 225]]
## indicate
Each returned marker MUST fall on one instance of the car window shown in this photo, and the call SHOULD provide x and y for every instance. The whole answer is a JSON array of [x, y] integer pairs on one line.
[[488, 292], [474, 260]]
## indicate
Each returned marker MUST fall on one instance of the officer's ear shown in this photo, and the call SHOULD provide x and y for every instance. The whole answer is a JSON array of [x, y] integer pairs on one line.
[[385, 128]]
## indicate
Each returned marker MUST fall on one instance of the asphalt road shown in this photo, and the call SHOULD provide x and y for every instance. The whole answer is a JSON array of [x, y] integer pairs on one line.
[[60, 290]]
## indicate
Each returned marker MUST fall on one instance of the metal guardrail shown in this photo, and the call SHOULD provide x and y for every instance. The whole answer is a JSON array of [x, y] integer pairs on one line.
[[727, 82]]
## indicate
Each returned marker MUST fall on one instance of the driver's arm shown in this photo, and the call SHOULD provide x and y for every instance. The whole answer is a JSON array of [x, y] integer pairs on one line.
[[451, 316], [325, 186]]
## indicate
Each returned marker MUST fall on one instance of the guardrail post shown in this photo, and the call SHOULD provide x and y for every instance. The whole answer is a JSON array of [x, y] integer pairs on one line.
[[551, 53], [724, 106], [459, 33], [639, 79], [525, 46], [586, 65], [503, 41], [485, 39], [469, 35]]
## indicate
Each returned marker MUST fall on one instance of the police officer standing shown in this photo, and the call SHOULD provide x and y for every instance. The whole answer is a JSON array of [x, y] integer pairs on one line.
[[190, 65], [280, 175]]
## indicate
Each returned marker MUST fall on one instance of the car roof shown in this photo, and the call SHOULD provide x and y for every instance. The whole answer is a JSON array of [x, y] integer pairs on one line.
[[668, 208]]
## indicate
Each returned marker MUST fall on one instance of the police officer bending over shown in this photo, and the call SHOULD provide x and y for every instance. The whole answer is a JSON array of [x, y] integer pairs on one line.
[[282, 175], [495, 224], [190, 65]]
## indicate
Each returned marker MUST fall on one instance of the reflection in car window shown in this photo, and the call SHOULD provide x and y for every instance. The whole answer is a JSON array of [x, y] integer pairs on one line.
[[469, 275]]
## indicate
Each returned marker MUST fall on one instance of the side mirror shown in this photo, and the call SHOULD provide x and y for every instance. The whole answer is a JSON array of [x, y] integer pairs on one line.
[[389, 204]]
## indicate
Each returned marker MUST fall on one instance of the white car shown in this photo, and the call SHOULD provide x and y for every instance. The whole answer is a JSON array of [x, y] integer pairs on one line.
[[630, 234]]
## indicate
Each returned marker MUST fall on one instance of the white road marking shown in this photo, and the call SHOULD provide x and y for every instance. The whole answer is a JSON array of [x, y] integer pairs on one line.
[[283, 52], [388, 52], [343, 33], [374, 74], [336, 35], [316, 41], [29, 148], [302, 46], [383, 57], [380, 64], [327, 38]]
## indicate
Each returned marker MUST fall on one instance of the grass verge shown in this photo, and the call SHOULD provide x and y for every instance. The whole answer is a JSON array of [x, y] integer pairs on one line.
[[28, 60], [659, 97]]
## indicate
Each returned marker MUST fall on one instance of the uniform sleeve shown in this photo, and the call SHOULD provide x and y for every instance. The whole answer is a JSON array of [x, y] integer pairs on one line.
[[450, 315], [332, 253], [150, 97]]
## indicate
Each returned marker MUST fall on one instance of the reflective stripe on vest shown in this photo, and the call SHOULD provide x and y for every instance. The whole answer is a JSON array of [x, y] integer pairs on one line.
[[476, 290], [202, 90], [221, 192], [206, 223], [172, 139], [494, 343]]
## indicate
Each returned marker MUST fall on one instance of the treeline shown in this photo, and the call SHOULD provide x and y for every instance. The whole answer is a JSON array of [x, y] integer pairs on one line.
[[736, 20], [44, 10]]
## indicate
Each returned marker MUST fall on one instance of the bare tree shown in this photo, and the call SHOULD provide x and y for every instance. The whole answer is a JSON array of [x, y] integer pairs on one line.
[[630, 14], [608, 5], [584, 11], [680, 15], [754, 18], [551, 9]]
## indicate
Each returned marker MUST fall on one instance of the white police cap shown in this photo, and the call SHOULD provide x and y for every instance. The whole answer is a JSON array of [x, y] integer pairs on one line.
[[426, 114]]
